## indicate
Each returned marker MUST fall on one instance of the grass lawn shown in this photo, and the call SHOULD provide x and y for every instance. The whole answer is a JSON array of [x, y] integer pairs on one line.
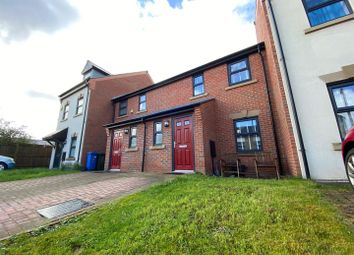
[[30, 173], [202, 215]]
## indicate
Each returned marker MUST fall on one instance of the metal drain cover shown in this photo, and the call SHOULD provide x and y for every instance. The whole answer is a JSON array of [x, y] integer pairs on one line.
[[63, 208]]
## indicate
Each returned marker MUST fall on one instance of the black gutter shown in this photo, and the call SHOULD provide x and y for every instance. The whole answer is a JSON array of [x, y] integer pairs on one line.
[[83, 123], [73, 88], [226, 59], [292, 100], [144, 146], [270, 109]]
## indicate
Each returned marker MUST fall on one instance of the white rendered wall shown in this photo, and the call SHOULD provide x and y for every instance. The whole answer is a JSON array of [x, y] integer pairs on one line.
[[309, 57]]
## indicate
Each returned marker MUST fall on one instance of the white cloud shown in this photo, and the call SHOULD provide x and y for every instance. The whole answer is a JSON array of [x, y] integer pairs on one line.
[[121, 37], [18, 19]]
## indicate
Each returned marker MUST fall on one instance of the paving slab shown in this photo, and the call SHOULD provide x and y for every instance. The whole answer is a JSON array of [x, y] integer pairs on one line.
[[20, 200]]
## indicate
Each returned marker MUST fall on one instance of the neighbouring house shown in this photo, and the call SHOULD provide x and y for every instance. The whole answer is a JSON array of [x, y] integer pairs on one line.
[[84, 109], [187, 122], [308, 49]]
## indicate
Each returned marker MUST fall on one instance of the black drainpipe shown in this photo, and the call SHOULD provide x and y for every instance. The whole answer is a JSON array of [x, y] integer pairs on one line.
[[144, 145], [292, 100], [83, 123], [270, 108]]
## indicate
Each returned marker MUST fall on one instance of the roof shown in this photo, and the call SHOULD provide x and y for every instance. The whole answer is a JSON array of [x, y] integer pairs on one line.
[[90, 65], [162, 113], [226, 59], [134, 80], [83, 84], [57, 136]]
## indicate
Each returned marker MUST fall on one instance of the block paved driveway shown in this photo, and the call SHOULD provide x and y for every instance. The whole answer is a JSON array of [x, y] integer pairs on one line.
[[19, 200]]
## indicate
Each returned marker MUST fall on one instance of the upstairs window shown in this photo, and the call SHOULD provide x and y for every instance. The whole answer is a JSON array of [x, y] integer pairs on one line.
[[123, 106], [158, 133], [72, 147], [239, 72], [198, 85], [66, 112], [142, 103], [132, 138], [248, 137], [322, 11], [80, 105], [343, 103]]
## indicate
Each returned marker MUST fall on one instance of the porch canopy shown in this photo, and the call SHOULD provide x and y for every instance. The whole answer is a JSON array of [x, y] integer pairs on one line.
[[58, 136]]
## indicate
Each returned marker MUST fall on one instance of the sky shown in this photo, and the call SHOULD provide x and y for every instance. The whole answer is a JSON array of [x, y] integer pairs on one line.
[[44, 45]]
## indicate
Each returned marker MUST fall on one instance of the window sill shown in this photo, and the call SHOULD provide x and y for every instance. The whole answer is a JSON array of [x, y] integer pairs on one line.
[[70, 159], [141, 111], [337, 146], [63, 120], [241, 84], [121, 117], [77, 115], [199, 96], [131, 150], [158, 147], [329, 24]]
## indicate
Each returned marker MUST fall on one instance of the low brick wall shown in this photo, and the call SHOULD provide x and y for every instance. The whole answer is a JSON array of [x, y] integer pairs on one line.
[[28, 155]]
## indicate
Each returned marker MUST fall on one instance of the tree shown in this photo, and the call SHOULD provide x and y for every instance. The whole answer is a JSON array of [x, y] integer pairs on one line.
[[10, 134]]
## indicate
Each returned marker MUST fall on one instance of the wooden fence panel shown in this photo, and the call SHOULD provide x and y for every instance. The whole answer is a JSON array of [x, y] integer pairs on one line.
[[28, 155]]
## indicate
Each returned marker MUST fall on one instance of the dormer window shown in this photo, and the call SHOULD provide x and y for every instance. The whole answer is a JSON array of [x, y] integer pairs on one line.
[[92, 70]]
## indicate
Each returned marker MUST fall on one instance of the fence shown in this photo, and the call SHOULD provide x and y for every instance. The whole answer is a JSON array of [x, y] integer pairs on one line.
[[28, 155]]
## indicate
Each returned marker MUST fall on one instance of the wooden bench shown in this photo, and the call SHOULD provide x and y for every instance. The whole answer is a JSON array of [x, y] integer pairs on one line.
[[266, 163], [229, 167]]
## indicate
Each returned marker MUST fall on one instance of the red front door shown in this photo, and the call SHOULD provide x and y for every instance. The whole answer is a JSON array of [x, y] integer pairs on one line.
[[117, 150], [184, 144]]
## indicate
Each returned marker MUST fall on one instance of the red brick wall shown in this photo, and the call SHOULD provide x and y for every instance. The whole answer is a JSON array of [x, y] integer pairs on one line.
[[108, 149], [131, 160], [283, 126], [158, 160], [206, 130], [212, 120], [100, 109]]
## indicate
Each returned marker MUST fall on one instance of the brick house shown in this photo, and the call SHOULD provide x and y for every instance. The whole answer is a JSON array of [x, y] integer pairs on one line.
[[84, 109], [187, 122], [309, 53]]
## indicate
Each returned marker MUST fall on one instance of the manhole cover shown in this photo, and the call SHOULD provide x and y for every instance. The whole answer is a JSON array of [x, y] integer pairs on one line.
[[63, 208]]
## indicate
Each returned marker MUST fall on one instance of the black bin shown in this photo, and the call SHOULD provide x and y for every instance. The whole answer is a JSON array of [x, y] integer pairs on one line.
[[100, 162]]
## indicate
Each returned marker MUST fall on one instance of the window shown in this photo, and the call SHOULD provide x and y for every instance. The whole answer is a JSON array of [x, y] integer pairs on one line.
[[198, 85], [132, 138], [123, 106], [72, 147], [322, 11], [66, 112], [158, 133], [248, 136], [239, 72], [142, 103], [80, 105], [343, 103]]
